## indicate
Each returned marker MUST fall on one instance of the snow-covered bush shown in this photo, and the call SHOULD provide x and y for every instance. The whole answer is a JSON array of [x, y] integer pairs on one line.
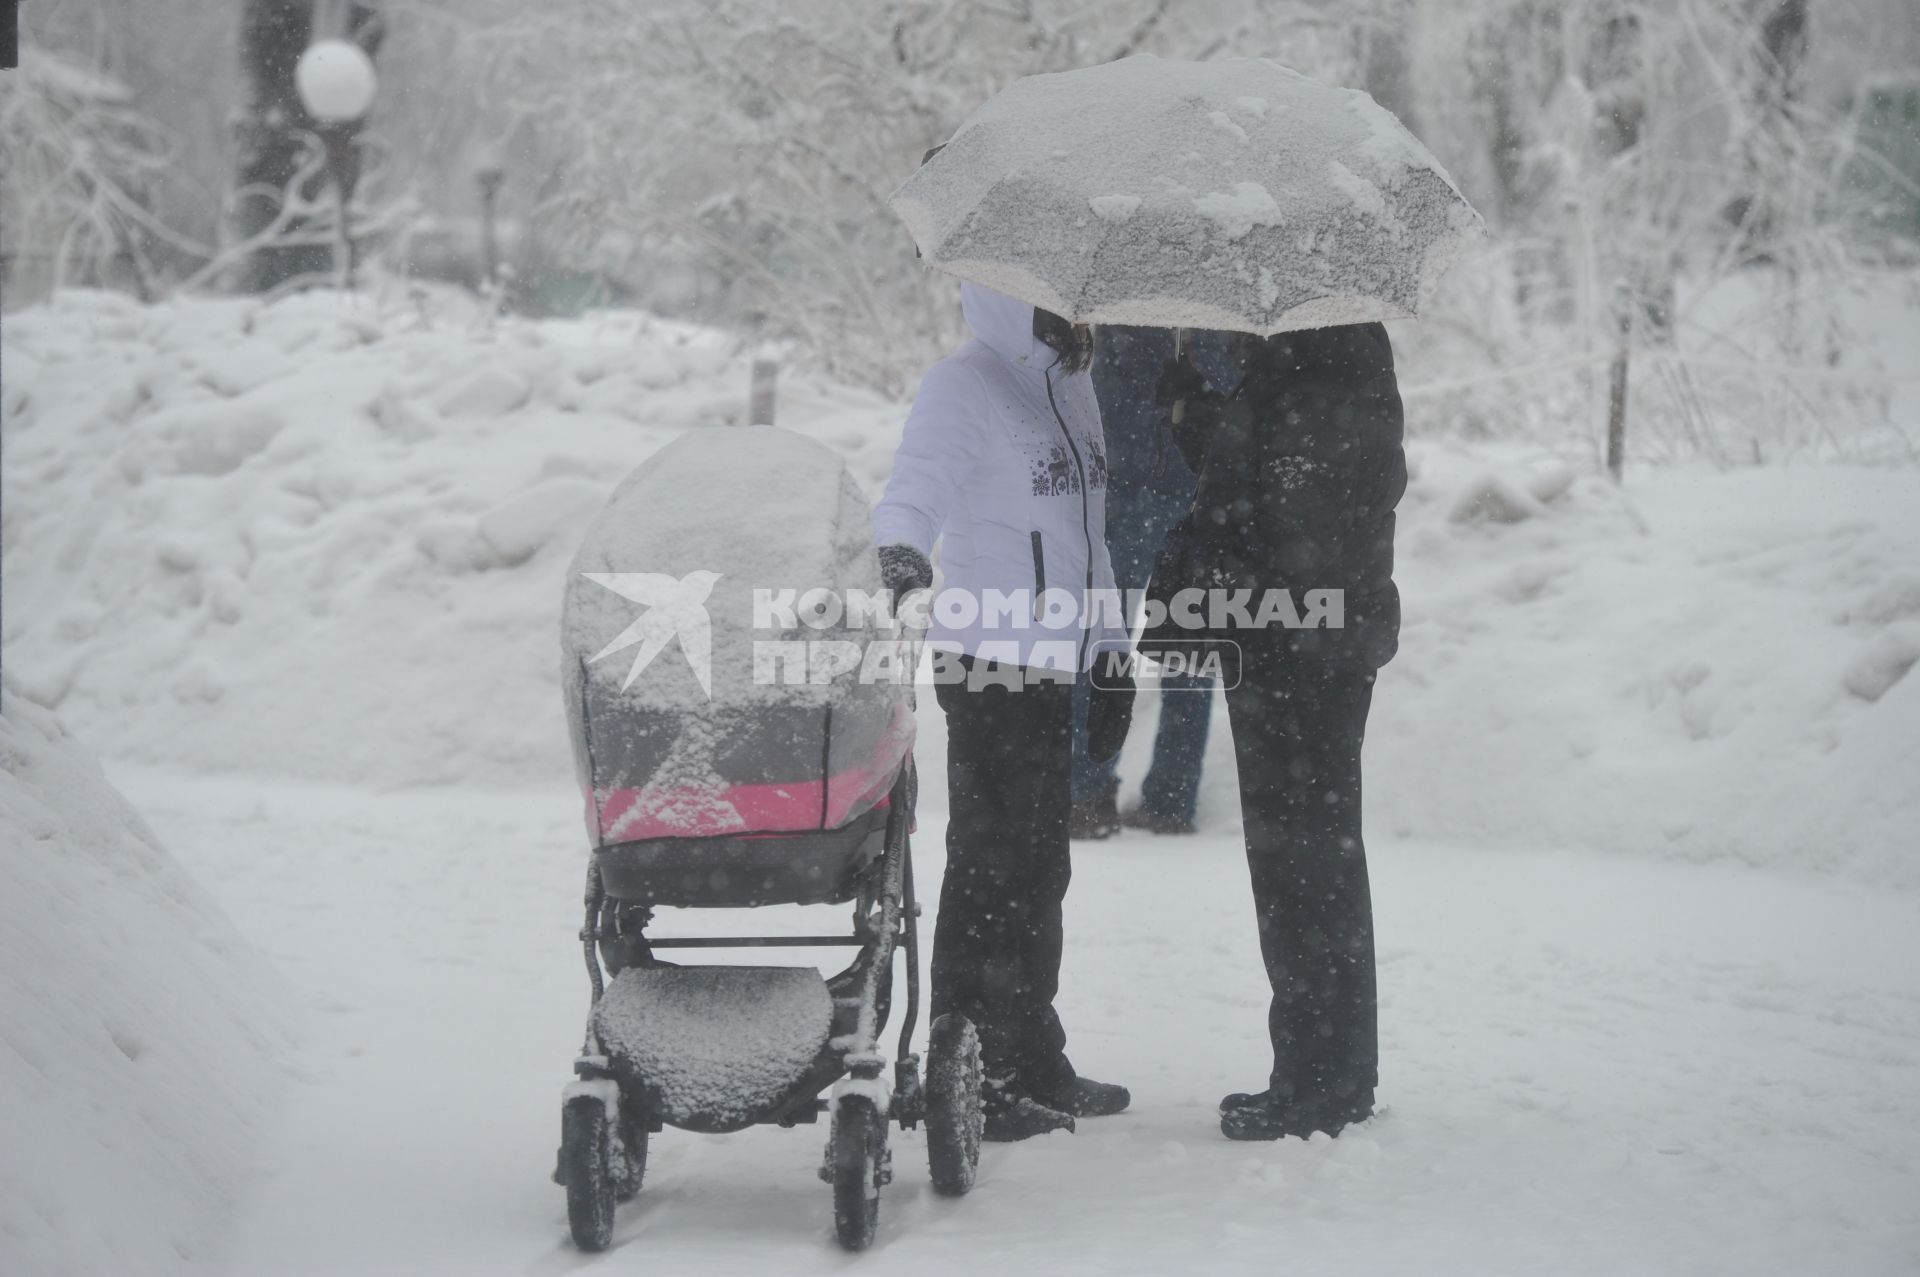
[[1664, 180]]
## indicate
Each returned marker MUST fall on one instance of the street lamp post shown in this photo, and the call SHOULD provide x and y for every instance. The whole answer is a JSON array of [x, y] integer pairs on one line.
[[489, 175], [337, 85]]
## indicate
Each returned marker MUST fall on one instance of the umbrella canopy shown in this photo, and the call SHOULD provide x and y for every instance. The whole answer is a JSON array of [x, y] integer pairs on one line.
[[1236, 194]]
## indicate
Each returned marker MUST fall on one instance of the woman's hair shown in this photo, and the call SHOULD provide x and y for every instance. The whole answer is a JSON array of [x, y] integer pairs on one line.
[[1072, 342]]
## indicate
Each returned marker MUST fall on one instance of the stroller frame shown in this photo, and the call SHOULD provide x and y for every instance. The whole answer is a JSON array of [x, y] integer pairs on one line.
[[605, 1125]]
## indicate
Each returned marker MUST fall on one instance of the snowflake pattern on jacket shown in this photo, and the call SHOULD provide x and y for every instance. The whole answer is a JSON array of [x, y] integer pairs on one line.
[[1056, 475]]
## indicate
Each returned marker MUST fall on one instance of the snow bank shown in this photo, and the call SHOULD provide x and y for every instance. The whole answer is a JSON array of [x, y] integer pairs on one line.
[[328, 536], [1704, 665], [137, 1030]]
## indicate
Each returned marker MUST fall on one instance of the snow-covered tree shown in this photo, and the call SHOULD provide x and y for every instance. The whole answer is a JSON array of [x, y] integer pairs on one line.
[[1621, 147], [765, 137], [1628, 153], [83, 169]]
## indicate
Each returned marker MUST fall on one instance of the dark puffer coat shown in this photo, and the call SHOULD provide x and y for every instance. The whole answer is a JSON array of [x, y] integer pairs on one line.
[[1300, 468]]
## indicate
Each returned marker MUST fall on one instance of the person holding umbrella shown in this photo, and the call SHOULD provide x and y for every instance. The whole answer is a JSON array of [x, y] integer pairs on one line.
[[1300, 469], [1243, 196]]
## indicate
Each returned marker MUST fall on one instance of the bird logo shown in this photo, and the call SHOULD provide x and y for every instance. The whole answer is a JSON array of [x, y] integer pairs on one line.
[[676, 608]]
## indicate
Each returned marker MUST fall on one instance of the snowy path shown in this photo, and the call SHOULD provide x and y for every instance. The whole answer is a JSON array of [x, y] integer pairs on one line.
[[1593, 1065]]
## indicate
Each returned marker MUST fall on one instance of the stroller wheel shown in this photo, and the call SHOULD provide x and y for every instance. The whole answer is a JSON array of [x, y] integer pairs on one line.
[[954, 1116], [859, 1162], [586, 1168]]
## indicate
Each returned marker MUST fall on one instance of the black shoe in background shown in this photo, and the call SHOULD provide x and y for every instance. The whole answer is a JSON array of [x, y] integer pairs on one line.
[[1094, 818], [1141, 818]]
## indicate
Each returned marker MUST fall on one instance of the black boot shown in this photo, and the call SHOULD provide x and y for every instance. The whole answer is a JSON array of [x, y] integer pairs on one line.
[[1012, 1114], [1084, 1097], [1266, 1116]]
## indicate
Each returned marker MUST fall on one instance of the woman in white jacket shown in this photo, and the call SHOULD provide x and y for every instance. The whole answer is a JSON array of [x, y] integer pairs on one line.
[[1002, 460]]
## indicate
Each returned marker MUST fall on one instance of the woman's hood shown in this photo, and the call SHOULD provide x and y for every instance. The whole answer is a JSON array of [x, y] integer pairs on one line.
[[1005, 326]]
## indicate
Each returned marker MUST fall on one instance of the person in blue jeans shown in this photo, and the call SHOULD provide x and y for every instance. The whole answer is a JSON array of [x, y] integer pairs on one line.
[[1148, 488]]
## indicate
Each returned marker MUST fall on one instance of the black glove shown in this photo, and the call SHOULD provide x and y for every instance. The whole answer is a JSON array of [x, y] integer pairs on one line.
[[1179, 380], [1109, 715], [904, 570]]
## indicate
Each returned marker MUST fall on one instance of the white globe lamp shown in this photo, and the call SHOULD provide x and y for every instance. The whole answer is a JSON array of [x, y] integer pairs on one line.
[[336, 81]]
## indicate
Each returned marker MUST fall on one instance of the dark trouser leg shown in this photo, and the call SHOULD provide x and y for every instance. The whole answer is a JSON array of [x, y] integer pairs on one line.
[[997, 944], [1297, 730], [1172, 787]]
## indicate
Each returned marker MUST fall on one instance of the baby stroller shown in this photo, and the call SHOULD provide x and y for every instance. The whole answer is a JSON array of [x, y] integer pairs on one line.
[[714, 777]]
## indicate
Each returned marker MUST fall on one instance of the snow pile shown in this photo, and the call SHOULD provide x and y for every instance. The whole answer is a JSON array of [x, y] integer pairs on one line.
[[715, 1045], [329, 536], [1704, 665], [137, 1030]]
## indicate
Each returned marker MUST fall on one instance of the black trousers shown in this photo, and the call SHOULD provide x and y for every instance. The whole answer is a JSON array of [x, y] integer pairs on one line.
[[996, 947], [1298, 725]]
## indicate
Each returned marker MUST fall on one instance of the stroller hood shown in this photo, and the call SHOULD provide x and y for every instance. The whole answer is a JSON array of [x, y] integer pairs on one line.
[[703, 698]]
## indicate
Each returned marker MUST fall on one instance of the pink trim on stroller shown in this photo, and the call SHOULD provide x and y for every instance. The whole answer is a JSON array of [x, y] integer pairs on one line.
[[761, 809], [631, 815]]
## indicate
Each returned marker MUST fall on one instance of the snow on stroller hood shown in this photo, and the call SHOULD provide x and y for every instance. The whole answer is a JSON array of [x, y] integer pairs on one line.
[[684, 720]]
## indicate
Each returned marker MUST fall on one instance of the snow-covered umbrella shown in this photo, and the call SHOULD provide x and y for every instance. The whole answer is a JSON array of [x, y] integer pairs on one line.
[[1236, 194]]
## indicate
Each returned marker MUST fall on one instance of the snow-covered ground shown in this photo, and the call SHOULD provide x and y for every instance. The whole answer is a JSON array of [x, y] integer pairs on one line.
[[1593, 1065], [1641, 802]]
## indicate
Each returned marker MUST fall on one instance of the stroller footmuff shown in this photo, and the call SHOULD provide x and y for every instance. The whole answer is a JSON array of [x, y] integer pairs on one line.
[[711, 1048], [733, 752]]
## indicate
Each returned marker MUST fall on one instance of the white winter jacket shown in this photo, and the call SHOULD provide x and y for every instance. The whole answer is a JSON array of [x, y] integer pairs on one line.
[[1002, 459]]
